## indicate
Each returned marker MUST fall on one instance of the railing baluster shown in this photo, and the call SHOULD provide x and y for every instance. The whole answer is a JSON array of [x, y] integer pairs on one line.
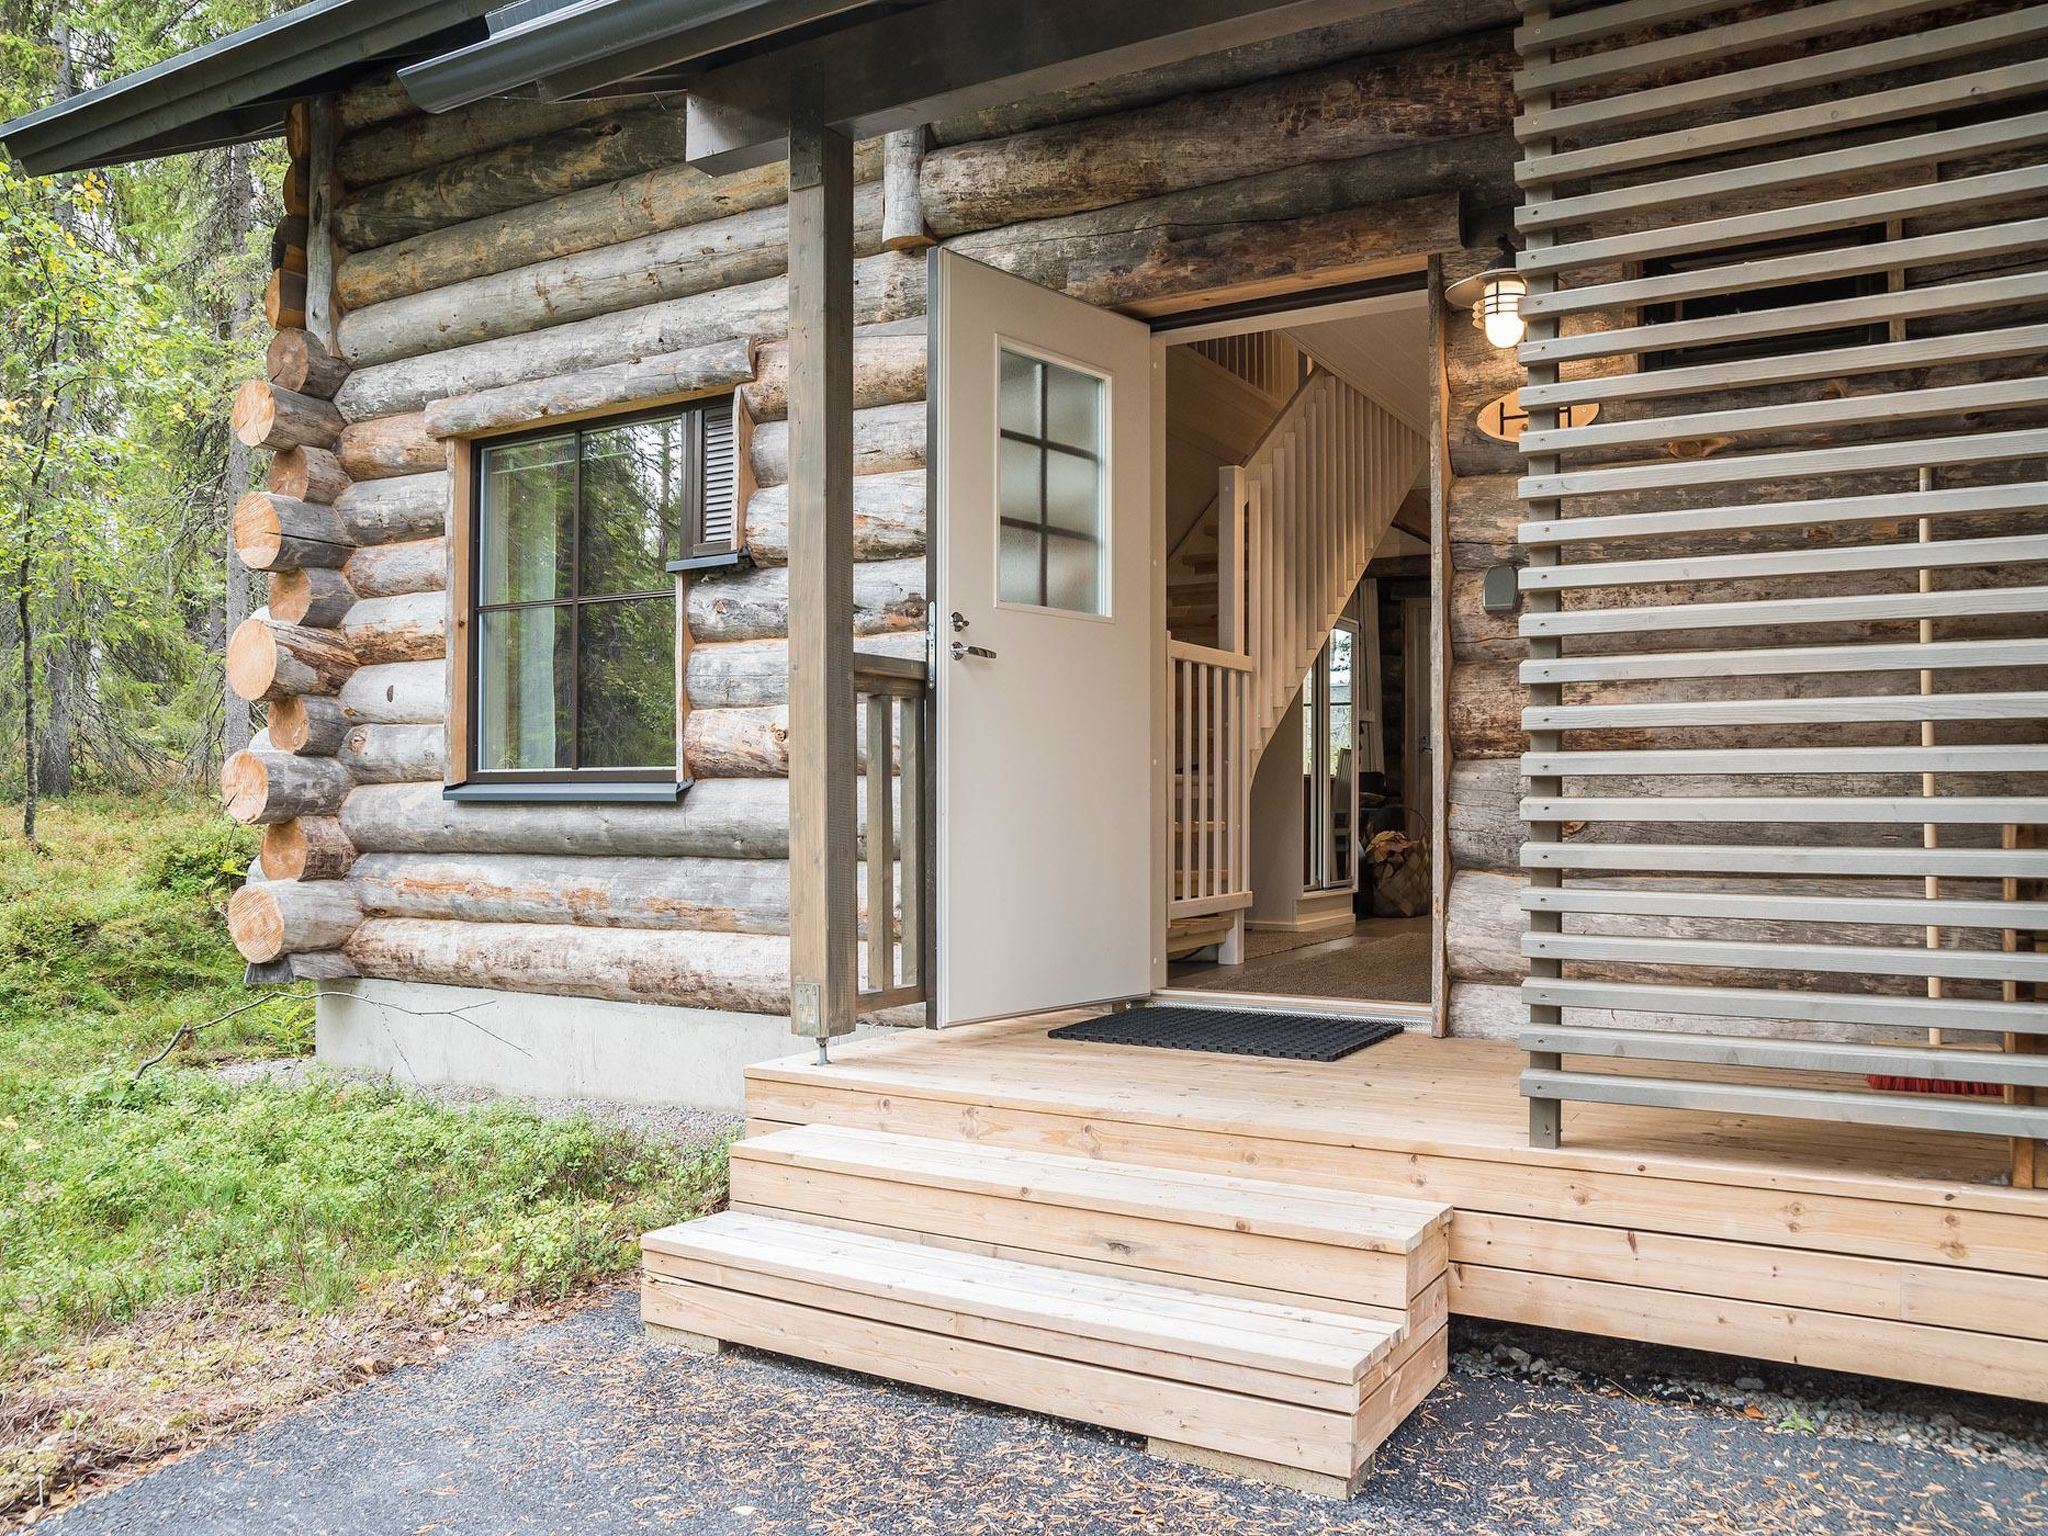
[[916, 927], [881, 848]]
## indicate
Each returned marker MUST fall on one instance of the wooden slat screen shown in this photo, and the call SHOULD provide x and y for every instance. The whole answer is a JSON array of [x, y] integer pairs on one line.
[[1786, 597]]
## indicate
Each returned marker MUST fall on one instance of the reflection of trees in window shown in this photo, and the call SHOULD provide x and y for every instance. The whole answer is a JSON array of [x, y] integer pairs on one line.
[[575, 633]]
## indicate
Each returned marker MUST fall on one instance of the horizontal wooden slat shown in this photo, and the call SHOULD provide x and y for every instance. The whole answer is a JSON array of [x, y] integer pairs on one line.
[[1770, 1003], [1831, 959], [2026, 496], [1968, 194], [1789, 660], [1806, 463], [1801, 415], [1966, 603], [1817, 67], [1761, 324], [1791, 367], [1778, 760], [1943, 1065], [1208, 656], [1704, 45], [1765, 906], [1927, 1112], [1849, 810], [1662, 714], [1779, 859], [1756, 129], [1908, 152], [1607, 21], [1814, 560]]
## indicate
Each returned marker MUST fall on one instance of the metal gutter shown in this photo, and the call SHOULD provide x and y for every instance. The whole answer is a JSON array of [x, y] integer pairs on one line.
[[233, 88], [594, 43]]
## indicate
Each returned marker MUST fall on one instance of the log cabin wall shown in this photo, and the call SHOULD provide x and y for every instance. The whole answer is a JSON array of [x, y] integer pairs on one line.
[[481, 255], [1794, 256]]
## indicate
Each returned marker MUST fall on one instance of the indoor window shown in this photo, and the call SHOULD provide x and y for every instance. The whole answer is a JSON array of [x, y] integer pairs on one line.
[[577, 532]]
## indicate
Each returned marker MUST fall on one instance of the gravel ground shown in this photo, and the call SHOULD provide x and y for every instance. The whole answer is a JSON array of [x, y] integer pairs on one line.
[[667, 1122], [583, 1426]]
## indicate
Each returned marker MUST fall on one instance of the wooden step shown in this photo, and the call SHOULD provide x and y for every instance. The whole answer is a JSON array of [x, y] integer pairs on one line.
[[1288, 1393], [1290, 1243]]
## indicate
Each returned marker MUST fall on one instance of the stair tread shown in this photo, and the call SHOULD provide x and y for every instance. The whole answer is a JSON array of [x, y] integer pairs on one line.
[[1297, 1341], [1374, 1223]]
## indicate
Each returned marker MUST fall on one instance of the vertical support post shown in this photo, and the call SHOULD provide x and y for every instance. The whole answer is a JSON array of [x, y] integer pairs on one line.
[[1230, 624], [823, 886]]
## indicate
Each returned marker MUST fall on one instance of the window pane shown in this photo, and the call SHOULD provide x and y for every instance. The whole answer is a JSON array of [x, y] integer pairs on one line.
[[1073, 408], [523, 689], [1018, 411], [529, 501], [1073, 494], [635, 480], [1073, 574], [1017, 566], [628, 684]]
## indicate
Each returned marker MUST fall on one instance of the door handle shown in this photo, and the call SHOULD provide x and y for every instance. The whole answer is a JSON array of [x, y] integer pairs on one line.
[[962, 650]]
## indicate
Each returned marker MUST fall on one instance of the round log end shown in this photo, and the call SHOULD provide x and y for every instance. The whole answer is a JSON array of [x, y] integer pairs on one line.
[[255, 409], [291, 729], [256, 923], [245, 787], [252, 660], [307, 848], [259, 531]]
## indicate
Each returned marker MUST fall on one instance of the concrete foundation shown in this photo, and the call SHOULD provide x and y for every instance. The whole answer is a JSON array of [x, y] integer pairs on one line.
[[540, 1046]]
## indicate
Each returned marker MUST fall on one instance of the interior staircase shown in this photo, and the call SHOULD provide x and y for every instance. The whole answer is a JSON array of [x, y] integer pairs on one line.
[[1253, 591], [1262, 1328]]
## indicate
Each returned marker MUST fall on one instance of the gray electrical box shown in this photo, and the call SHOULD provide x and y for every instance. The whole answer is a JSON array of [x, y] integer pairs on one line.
[[1499, 594]]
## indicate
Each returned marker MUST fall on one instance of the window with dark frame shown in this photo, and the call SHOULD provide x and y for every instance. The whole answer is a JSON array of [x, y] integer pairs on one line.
[[575, 533], [1744, 301]]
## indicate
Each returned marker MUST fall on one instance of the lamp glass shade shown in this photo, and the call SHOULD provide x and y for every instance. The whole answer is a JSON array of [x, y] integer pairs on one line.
[[1499, 310]]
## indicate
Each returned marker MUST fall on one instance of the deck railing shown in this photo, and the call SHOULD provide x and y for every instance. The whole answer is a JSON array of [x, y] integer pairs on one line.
[[892, 693], [1210, 692]]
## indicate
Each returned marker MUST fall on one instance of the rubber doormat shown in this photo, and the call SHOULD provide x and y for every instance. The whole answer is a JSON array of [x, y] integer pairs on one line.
[[1234, 1032]]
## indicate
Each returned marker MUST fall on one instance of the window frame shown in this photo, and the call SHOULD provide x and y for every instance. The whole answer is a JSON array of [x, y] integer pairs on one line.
[[657, 781]]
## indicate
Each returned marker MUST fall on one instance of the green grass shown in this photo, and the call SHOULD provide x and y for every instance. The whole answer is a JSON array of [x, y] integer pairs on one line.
[[118, 1194]]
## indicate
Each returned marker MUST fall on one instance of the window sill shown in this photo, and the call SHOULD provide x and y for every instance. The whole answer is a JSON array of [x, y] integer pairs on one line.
[[572, 792], [724, 560]]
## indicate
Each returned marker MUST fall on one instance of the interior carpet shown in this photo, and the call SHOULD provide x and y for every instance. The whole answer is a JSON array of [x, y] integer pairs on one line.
[[1234, 1032]]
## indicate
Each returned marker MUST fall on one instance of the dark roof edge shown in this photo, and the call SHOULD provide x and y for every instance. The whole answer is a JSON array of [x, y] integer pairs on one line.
[[147, 112]]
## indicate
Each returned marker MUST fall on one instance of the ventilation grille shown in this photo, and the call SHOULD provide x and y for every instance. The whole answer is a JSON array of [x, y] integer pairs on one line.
[[718, 516]]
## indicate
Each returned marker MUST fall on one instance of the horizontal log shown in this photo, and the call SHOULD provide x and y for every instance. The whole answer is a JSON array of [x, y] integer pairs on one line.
[[412, 626], [385, 570], [706, 895], [1153, 258], [412, 143], [298, 360], [619, 143], [888, 518], [889, 286], [888, 369], [396, 693], [696, 258], [397, 509], [394, 754], [717, 819], [268, 660], [372, 101], [307, 725], [744, 972], [747, 673], [390, 445], [1365, 106], [638, 382], [754, 605], [267, 415], [273, 532], [750, 743], [312, 596], [284, 299], [281, 916], [307, 474], [260, 787], [294, 190], [328, 965], [307, 848], [886, 438]]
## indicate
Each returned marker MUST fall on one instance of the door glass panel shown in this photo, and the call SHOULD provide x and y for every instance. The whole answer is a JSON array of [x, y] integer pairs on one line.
[[1051, 503]]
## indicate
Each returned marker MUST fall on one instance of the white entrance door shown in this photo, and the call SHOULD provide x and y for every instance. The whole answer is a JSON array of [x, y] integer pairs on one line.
[[1043, 593]]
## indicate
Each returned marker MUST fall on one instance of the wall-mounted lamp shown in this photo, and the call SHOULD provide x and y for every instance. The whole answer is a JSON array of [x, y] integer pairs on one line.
[[1495, 299]]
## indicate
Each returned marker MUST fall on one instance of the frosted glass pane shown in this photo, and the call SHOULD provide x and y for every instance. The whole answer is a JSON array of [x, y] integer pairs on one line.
[[1018, 410], [1073, 408], [1017, 481], [1073, 494], [1017, 566], [1073, 576]]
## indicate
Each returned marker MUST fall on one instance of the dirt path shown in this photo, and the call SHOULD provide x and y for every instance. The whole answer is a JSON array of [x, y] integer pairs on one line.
[[581, 1426]]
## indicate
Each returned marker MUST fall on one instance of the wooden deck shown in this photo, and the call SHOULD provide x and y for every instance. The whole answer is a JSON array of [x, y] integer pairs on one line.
[[1893, 1253]]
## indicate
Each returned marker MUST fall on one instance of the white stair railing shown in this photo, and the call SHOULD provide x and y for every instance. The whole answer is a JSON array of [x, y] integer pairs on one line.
[[1297, 524]]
